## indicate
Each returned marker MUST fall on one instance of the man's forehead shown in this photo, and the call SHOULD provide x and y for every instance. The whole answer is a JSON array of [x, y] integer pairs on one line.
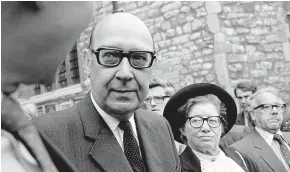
[[117, 41], [158, 90], [240, 92], [268, 97], [122, 25]]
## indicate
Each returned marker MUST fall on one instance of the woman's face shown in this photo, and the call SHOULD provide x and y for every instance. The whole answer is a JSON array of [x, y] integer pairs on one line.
[[204, 139]]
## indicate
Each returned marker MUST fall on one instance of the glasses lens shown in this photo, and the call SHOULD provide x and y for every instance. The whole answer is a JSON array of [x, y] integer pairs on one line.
[[140, 59], [110, 57], [158, 99], [196, 122], [280, 108], [214, 121], [266, 108], [147, 100]]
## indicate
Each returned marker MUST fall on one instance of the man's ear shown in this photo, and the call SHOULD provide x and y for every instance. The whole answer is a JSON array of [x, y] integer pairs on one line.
[[252, 115], [87, 61], [87, 57], [154, 62]]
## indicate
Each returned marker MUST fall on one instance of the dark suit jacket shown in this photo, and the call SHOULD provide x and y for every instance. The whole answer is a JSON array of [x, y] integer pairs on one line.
[[256, 147], [60, 161], [190, 162], [236, 133], [89, 143], [286, 136]]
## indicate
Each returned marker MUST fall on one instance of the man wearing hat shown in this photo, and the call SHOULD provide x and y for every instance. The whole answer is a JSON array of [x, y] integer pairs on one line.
[[199, 115]]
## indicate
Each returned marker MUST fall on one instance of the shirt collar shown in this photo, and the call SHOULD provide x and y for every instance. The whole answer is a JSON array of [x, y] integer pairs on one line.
[[111, 121], [203, 156], [268, 137]]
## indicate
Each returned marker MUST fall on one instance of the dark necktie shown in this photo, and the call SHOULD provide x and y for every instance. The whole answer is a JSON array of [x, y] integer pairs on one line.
[[15, 121], [131, 147], [284, 149]]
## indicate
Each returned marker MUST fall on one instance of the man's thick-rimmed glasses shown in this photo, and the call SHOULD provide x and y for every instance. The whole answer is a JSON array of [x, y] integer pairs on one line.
[[112, 57], [157, 99], [212, 121], [268, 107]]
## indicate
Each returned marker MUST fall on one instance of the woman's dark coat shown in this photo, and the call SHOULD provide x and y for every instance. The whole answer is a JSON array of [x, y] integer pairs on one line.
[[190, 162]]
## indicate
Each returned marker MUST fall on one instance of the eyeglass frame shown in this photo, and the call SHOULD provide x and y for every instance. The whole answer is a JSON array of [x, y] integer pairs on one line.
[[163, 97], [276, 105], [127, 55], [221, 120]]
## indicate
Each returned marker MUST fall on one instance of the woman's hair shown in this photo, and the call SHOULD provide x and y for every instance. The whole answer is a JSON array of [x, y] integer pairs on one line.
[[209, 98]]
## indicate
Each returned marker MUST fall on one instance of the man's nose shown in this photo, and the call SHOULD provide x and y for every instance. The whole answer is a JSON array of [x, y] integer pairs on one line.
[[274, 110], [205, 127], [124, 72], [244, 100], [153, 103]]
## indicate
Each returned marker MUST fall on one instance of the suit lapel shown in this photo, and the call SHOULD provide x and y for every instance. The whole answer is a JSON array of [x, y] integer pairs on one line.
[[106, 150], [286, 136], [148, 142], [189, 161], [59, 159], [266, 153]]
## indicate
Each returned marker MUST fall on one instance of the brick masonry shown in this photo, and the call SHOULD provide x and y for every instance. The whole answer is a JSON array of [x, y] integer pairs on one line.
[[215, 42]]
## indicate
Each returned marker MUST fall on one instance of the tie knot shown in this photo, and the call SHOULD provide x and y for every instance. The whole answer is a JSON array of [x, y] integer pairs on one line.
[[125, 125], [278, 138]]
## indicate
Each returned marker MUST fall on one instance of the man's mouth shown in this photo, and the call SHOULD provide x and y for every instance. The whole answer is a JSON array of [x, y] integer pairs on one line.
[[123, 94], [123, 90], [206, 137], [273, 120]]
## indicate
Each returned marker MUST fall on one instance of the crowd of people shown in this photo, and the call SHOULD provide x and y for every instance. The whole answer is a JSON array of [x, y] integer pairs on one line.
[[128, 122]]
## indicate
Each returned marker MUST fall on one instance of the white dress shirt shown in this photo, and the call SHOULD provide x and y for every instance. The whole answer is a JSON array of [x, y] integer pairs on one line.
[[113, 124], [268, 137], [218, 163]]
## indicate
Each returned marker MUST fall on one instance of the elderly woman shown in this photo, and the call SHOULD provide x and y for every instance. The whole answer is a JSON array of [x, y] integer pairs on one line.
[[199, 116]]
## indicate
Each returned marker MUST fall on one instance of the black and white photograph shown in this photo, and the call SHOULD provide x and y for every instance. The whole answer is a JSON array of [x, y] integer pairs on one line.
[[145, 86]]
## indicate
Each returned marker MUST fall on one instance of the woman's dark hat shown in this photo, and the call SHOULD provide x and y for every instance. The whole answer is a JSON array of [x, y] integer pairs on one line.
[[177, 119]]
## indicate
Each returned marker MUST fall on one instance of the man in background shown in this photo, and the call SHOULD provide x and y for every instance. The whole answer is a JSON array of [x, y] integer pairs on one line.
[[267, 145], [158, 95], [243, 126], [35, 39], [243, 92]]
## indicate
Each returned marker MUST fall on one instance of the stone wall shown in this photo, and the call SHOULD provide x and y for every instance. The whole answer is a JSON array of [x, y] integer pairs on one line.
[[215, 42]]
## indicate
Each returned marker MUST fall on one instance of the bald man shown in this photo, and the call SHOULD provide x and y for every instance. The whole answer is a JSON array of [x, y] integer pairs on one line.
[[107, 131], [35, 39]]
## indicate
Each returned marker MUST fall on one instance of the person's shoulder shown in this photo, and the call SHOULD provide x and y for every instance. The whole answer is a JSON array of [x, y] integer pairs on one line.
[[155, 120], [148, 115], [286, 136], [56, 118], [58, 114], [244, 142]]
